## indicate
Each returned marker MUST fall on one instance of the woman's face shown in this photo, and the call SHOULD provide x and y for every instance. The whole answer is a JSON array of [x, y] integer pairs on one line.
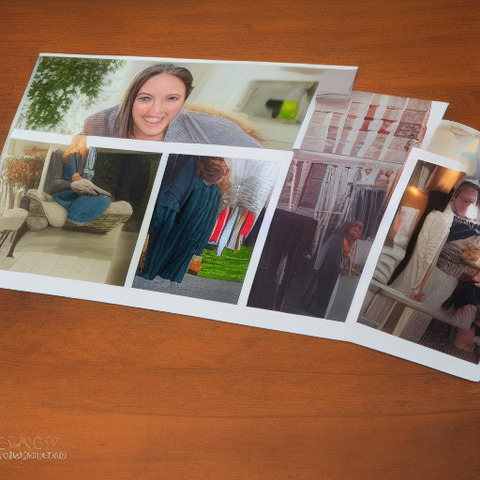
[[158, 102], [354, 232], [468, 196]]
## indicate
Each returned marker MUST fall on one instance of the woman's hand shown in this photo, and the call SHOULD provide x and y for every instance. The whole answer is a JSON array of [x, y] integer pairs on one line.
[[78, 145]]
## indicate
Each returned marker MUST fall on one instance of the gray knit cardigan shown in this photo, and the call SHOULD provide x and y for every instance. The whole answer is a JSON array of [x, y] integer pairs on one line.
[[187, 127]]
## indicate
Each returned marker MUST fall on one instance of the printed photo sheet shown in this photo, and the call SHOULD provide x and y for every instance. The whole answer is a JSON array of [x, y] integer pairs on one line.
[[269, 195]]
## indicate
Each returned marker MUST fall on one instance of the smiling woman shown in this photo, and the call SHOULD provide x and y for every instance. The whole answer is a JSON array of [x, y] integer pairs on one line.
[[156, 105], [153, 99], [153, 109]]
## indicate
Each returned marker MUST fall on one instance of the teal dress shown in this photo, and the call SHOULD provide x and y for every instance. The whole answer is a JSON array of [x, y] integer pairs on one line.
[[182, 223]]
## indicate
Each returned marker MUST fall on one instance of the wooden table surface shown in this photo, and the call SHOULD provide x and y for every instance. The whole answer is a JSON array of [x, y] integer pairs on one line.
[[120, 393]]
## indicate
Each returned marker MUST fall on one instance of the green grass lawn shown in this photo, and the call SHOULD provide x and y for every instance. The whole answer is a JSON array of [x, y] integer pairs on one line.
[[231, 265]]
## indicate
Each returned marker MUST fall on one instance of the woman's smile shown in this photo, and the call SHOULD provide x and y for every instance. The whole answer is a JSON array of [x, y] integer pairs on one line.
[[153, 121]]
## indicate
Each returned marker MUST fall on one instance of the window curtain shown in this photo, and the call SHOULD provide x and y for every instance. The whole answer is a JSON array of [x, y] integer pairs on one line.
[[332, 201], [365, 205]]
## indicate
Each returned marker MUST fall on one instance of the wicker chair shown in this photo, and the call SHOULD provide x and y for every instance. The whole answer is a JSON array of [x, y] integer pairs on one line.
[[45, 211]]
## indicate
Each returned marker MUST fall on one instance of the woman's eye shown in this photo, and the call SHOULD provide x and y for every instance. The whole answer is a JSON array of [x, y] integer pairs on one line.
[[172, 99], [143, 99]]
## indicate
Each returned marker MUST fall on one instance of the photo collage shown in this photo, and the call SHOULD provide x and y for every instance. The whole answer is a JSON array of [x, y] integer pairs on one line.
[[264, 194]]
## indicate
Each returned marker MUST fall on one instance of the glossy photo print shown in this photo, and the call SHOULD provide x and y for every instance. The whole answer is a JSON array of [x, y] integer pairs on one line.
[[321, 233], [268, 195], [227, 103], [368, 125], [425, 288], [204, 226], [70, 216]]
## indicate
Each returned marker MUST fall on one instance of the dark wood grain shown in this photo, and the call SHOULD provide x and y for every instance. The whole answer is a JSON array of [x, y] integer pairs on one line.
[[134, 394]]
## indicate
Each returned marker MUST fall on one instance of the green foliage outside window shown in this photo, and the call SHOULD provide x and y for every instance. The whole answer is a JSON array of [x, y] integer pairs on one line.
[[58, 81]]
